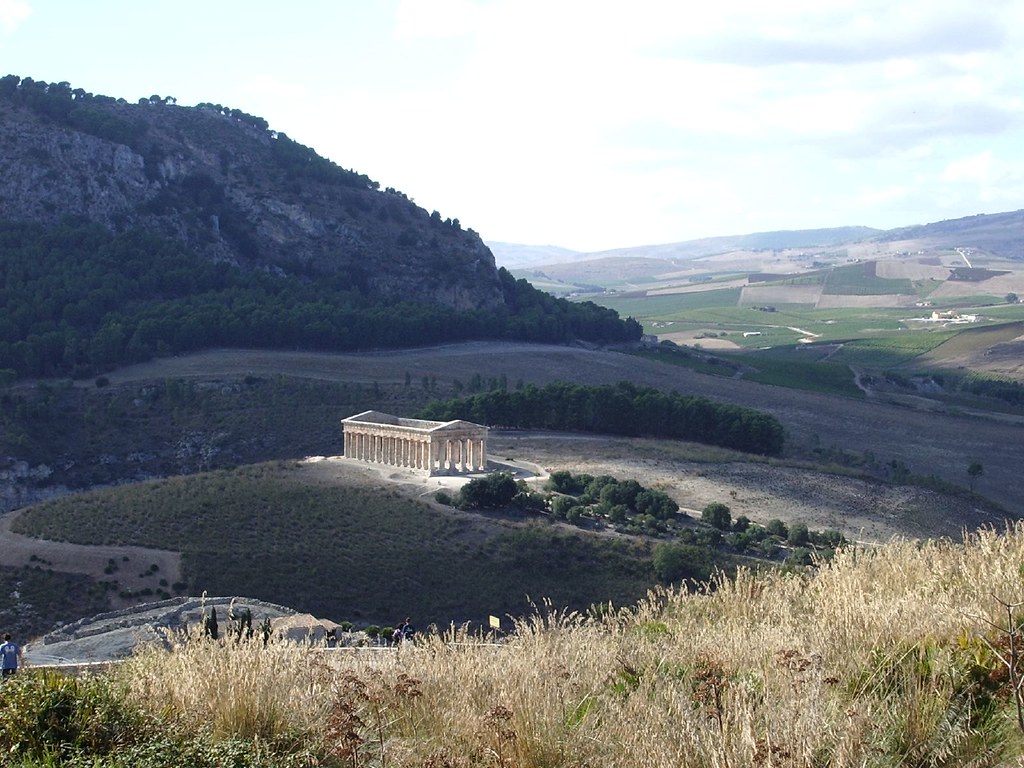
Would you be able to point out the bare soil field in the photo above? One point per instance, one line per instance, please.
(780, 294)
(695, 337)
(834, 300)
(132, 567)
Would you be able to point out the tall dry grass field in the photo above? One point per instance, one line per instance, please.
(888, 657)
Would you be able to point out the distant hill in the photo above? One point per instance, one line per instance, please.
(1001, 234)
(998, 237)
(515, 256)
(511, 255)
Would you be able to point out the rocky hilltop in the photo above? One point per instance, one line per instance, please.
(226, 185)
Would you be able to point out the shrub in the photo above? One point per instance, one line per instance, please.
(718, 515)
(561, 505)
(800, 556)
(798, 536)
(563, 481)
(491, 492)
(675, 562)
(46, 712)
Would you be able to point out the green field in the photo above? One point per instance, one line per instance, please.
(860, 280)
(876, 339)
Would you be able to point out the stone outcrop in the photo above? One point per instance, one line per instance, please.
(113, 635)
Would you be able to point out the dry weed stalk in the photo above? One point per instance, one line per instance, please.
(856, 664)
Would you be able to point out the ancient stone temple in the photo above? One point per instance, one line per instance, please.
(435, 447)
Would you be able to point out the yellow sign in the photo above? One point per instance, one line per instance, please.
(495, 622)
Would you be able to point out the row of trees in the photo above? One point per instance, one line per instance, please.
(79, 301)
(74, 108)
(620, 409)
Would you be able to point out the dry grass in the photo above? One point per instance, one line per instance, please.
(874, 659)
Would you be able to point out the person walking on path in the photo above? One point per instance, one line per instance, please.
(10, 654)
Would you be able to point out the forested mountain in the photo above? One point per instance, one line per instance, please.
(133, 230)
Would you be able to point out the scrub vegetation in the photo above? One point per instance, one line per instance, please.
(899, 655)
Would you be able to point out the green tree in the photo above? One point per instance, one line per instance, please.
(674, 562)
(656, 503)
(490, 492)
(798, 536)
(717, 515)
(560, 505)
(563, 481)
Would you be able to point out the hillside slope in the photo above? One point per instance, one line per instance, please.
(224, 184)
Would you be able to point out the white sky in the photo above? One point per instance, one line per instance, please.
(591, 124)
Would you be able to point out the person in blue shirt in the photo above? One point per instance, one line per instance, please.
(10, 654)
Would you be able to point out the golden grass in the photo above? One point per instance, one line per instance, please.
(875, 658)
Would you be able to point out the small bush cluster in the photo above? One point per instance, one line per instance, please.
(748, 538)
(621, 502)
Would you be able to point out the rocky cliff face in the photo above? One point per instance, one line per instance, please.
(233, 190)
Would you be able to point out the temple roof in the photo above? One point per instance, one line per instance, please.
(378, 418)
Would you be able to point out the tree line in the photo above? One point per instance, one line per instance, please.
(620, 409)
(79, 300)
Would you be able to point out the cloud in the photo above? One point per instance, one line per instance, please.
(12, 14)
(415, 20)
(977, 169)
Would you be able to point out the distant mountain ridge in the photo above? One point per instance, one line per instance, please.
(1001, 234)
